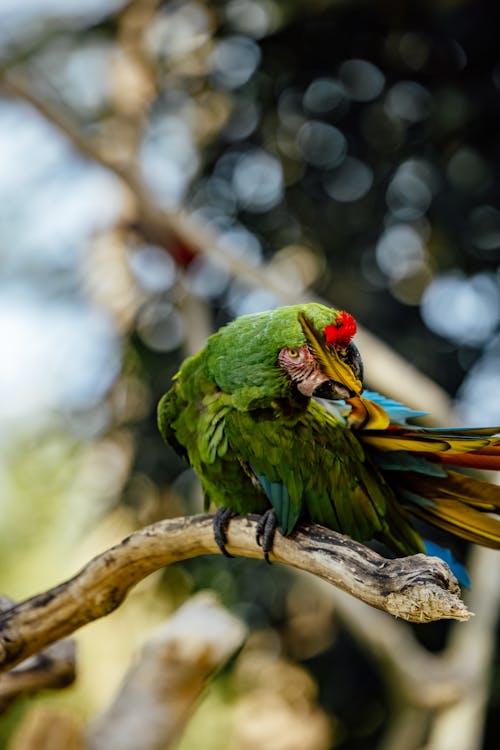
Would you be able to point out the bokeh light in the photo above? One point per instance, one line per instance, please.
(321, 145)
(169, 158)
(256, 18)
(484, 223)
(410, 190)
(478, 399)
(257, 181)
(350, 182)
(325, 95)
(468, 171)
(363, 81)
(409, 101)
(61, 356)
(234, 61)
(160, 326)
(153, 267)
(464, 310)
(178, 29)
(400, 251)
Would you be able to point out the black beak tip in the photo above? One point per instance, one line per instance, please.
(332, 391)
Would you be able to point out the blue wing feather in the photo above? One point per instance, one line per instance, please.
(404, 461)
(398, 413)
(459, 571)
(279, 497)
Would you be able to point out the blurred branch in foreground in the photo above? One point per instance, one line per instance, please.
(157, 694)
(159, 690)
(52, 668)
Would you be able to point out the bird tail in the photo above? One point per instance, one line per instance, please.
(475, 448)
(465, 506)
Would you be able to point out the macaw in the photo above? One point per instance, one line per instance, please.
(273, 417)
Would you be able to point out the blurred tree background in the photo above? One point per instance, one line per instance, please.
(167, 166)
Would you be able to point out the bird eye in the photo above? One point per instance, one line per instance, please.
(293, 353)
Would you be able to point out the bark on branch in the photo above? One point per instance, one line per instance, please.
(418, 588)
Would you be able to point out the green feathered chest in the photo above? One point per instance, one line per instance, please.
(310, 465)
(294, 456)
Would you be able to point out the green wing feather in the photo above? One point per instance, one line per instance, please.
(192, 419)
(311, 462)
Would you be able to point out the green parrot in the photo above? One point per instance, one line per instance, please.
(272, 416)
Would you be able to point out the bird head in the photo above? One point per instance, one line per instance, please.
(304, 350)
(328, 364)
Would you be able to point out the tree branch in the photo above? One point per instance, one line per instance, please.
(417, 588)
(53, 668)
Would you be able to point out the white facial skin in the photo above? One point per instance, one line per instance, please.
(303, 369)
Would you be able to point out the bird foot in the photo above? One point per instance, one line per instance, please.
(266, 529)
(219, 524)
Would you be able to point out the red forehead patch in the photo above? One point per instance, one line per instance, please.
(340, 333)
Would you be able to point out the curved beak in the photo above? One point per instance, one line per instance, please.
(364, 413)
(331, 364)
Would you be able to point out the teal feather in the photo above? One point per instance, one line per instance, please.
(398, 413)
(413, 498)
(405, 461)
(279, 497)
